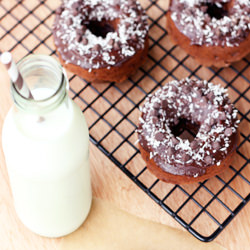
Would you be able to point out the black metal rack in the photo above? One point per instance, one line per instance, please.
(26, 26)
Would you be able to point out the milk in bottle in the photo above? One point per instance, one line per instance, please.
(45, 143)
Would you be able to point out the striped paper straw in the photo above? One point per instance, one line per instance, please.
(14, 74)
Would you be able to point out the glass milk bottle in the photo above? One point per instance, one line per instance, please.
(45, 143)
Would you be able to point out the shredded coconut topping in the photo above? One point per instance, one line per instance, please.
(205, 106)
(212, 22)
(77, 44)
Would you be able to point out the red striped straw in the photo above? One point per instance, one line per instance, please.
(15, 75)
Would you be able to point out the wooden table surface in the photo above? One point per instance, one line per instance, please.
(108, 183)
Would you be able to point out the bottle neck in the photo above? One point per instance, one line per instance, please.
(47, 81)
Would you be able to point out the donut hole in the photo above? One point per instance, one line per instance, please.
(102, 28)
(185, 129)
(217, 11)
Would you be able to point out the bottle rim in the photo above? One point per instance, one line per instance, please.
(44, 104)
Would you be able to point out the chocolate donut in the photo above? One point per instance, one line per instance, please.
(101, 40)
(214, 32)
(205, 110)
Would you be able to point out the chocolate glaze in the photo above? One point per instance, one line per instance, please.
(206, 108)
(212, 22)
(101, 33)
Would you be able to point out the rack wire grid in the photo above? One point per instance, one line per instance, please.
(112, 112)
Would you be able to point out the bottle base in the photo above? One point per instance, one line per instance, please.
(54, 233)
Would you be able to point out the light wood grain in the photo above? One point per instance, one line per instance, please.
(108, 182)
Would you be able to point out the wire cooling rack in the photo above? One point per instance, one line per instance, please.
(204, 209)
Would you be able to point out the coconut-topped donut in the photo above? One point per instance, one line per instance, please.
(215, 32)
(199, 106)
(98, 38)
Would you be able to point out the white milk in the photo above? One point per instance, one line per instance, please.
(48, 166)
